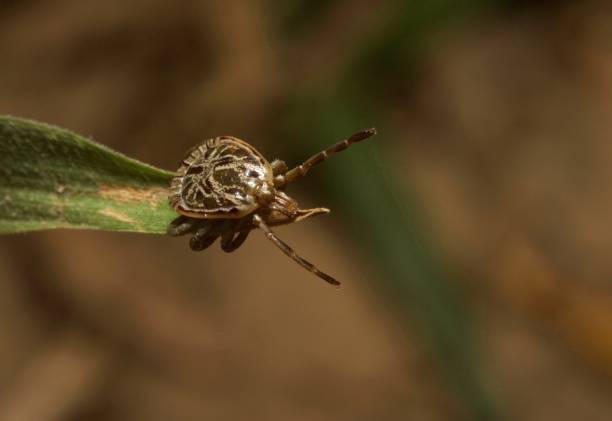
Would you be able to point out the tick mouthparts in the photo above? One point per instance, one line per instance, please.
(307, 213)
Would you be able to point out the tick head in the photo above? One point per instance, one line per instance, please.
(285, 210)
(261, 190)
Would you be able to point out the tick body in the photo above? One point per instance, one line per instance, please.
(225, 188)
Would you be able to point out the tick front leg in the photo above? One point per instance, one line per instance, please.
(279, 167)
(284, 247)
(301, 170)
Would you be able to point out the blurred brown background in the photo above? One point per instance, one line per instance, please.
(496, 119)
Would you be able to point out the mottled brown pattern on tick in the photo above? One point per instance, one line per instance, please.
(225, 188)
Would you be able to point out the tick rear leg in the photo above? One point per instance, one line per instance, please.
(181, 226)
(230, 241)
(204, 236)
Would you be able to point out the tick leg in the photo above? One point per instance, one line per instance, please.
(181, 226)
(270, 235)
(229, 242)
(302, 169)
(203, 237)
(279, 167)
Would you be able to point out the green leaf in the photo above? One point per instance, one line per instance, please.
(52, 178)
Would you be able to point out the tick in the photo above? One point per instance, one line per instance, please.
(225, 188)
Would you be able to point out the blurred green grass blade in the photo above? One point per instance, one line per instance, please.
(298, 15)
(52, 178)
(387, 225)
(383, 219)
